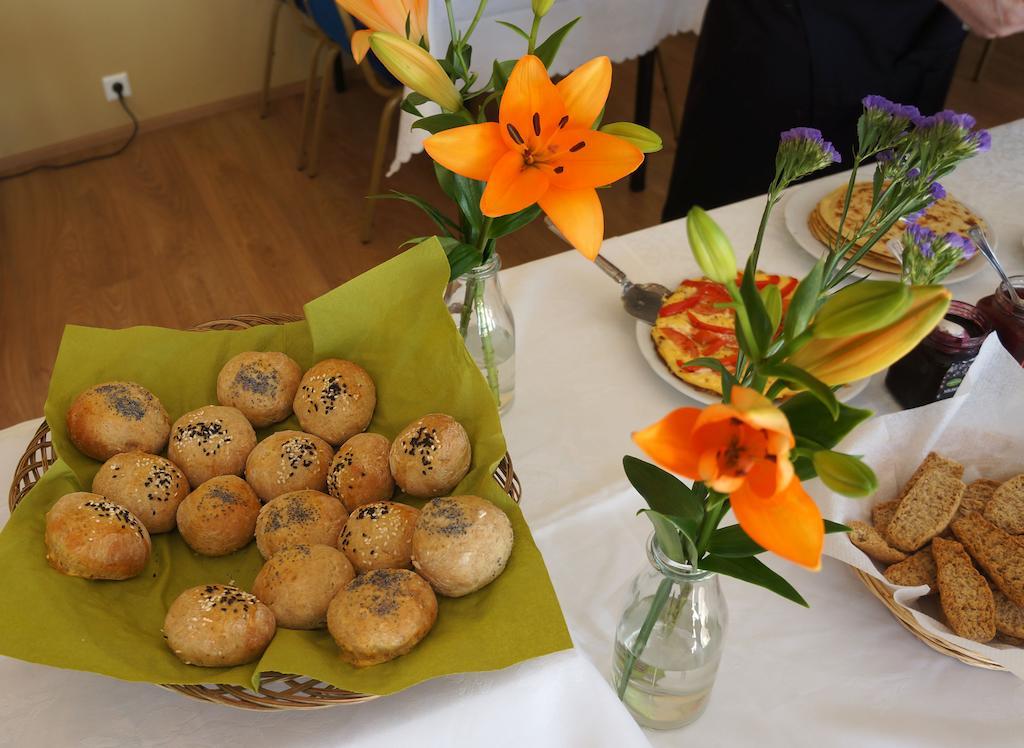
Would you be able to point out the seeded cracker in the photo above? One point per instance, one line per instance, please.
(926, 509)
(965, 595)
(915, 571)
(868, 539)
(1006, 507)
(995, 551)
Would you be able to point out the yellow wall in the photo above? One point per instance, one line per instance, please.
(178, 54)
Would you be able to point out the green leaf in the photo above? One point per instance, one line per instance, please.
(664, 492)
(800, 378)
(751, 570)
(446, 179)
(466, 193)
(549, 48)
(408, 106)
(804, 302)
(516, 29)
(810, 419)
(500, 71)
(443, 222)
(438, 122)
(462, 257)
(760, 323)
(667, 535)
(507, 224)
(732, 541)
(771, 295)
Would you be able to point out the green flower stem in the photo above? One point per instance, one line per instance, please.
(830, 266)
(483, 327)
(467, 306)
(660, 598)
(709, 524)
(476, 20)
(773, 199)
(533, 35)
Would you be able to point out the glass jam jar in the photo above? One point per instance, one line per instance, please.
(935, 368)
(1005, 319)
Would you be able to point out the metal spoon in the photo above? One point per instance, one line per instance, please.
(641, 300)
(979, 238)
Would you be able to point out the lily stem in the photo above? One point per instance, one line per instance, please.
(476, 20)
(533, 35)
(657, 603)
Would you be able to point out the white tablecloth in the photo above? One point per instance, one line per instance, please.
(843, 673)
(620, 29)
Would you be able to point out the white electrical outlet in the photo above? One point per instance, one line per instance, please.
(108, 85)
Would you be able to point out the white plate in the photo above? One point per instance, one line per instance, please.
(800, 201)
(650, 354)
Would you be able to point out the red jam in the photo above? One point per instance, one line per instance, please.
(1005, 319)
(934, 369)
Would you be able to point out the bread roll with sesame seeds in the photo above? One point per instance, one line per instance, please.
(299, 582)
(360, 473)
(88, 536)
(150, 487)
(210, 441)
(219, 517)
(261, 384)
(430, 456)
(299, 518)
(335, 400)
(288, 461)
(461, 544)
(217, 625)
(381, 615)
(116, 417)
(379, 536)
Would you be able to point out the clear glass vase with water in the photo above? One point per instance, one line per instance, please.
(672, 654)
(484, 320)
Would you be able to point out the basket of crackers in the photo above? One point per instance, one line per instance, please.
(273, 512)
(941, 544)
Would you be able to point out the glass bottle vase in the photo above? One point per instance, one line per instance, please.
(484, 320)
(673, 671)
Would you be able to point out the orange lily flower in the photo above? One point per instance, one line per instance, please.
(386, 15)
(543, 150)
(742, 449)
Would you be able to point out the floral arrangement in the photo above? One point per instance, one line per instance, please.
(507, 149)
(752, 455)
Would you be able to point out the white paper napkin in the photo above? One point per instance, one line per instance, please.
(982, 426)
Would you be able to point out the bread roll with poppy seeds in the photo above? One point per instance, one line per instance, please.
(115, 417)
(359, 473)
(299, 582)
(288, 461)
(261, 384)
(217, 625)
(211, 441)
(299, 518)
(430, 456)
(150, 487)
(335, 400)
(88, 536)
(219, 517)
(379, 536)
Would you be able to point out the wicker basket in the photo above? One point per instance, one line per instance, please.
(277, 690)
(904, 616)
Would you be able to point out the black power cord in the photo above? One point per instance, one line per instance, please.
(119, 90)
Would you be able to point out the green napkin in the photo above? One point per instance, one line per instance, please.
(393, 322)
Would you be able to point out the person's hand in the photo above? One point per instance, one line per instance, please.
(990, 18)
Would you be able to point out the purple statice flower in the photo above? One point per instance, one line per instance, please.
(879, 104)
(960, 242)
(913, 173)
(963, 121)
(885, 156)
(906, 111)
(812, 137)
(981, 139)
(937, 191)
(921, 238)
(802, 151)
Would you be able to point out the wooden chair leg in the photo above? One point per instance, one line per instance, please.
(307, 102)
(321, 105)
(387, 116)
(269, 66)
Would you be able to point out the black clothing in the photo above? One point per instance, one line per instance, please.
(764, 66)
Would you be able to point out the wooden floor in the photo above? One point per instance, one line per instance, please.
(210, 218)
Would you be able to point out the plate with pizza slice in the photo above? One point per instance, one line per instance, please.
(693, 324)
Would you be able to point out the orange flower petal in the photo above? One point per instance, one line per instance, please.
(360, 44)
(512, 186)
(668, 443)
(763, 479)
(531, 109)
(585, 91)
(472, 151)
(788, 524)
(755, 410)
(367, 12)
(578, 215)
(588, 158)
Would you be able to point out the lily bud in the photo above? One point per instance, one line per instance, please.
(645, 139)
(710, 247)
(840, 360)
(861, 307)
(416, 68)
(541, 7)
(845, 474)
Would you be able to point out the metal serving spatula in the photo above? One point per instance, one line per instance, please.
(641, 300)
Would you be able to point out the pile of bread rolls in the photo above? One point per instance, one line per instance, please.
(339, 552)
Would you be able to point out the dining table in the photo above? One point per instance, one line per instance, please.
(842, 672)
(620, 30)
